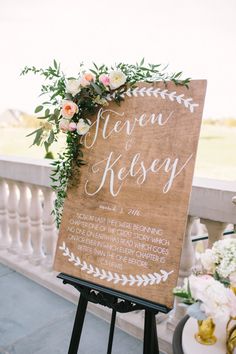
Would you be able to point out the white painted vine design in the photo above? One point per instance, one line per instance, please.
(115, 278)
(151, 91)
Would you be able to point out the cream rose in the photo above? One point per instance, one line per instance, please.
(73, 86)
(82, 127)
(68, 110)
(117, 79)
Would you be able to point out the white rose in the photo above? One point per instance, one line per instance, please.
(216, 311)
(82, 127)
(199, 284)
(216, 301)
(117, 79)
(73, 86)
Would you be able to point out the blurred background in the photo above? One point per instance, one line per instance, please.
(194, 36)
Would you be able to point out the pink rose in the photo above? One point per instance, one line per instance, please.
(104, 79)
(86, 79)
(69, 108)
(72, 126)
(64, 125)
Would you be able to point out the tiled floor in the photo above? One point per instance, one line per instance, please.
(33, 320)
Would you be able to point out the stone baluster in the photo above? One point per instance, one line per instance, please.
(4, 231)
(24, 226)
(234, 202)
(186, 264)
(36, 226)
(50, 230)
(215, 230)
(198, 230)
(13, 200)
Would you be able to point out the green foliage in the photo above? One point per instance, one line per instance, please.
(184, 293)
(63, 171)
(38, 109)
(224, 281)
(89, 99)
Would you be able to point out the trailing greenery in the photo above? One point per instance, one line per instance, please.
(70, 101)
(62, 172)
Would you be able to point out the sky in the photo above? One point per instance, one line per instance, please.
(197, 37)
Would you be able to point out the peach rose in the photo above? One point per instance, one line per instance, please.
(86, 79)
(69, 108)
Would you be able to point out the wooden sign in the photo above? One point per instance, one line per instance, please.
(124, 221)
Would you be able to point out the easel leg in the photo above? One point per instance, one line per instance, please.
(78, 325)
(150, 342)
(111, 334)
(155, 339)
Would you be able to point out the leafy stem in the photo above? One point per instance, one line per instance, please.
(63, 171)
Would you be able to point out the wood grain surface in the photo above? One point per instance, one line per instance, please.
(124, 219)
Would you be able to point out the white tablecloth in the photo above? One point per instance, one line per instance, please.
(191, 346)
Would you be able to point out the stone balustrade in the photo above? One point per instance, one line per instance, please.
(28, 234)
(27, 227)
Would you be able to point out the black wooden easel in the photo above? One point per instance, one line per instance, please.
(118, 302)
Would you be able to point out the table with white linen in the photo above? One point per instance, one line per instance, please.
(191, 346)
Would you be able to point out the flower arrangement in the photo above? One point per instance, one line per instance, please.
(220, 261)
(207, 297)
(211, 291)
(70, 103)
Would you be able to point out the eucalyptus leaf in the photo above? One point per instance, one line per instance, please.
(46, 145)
(51, 137)
(142, 62)
(94, 72)
(96, 88)
(34, 132)
(57, 93)
(38, 109)
(38, 137)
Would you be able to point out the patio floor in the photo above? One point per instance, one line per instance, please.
(33, 320)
